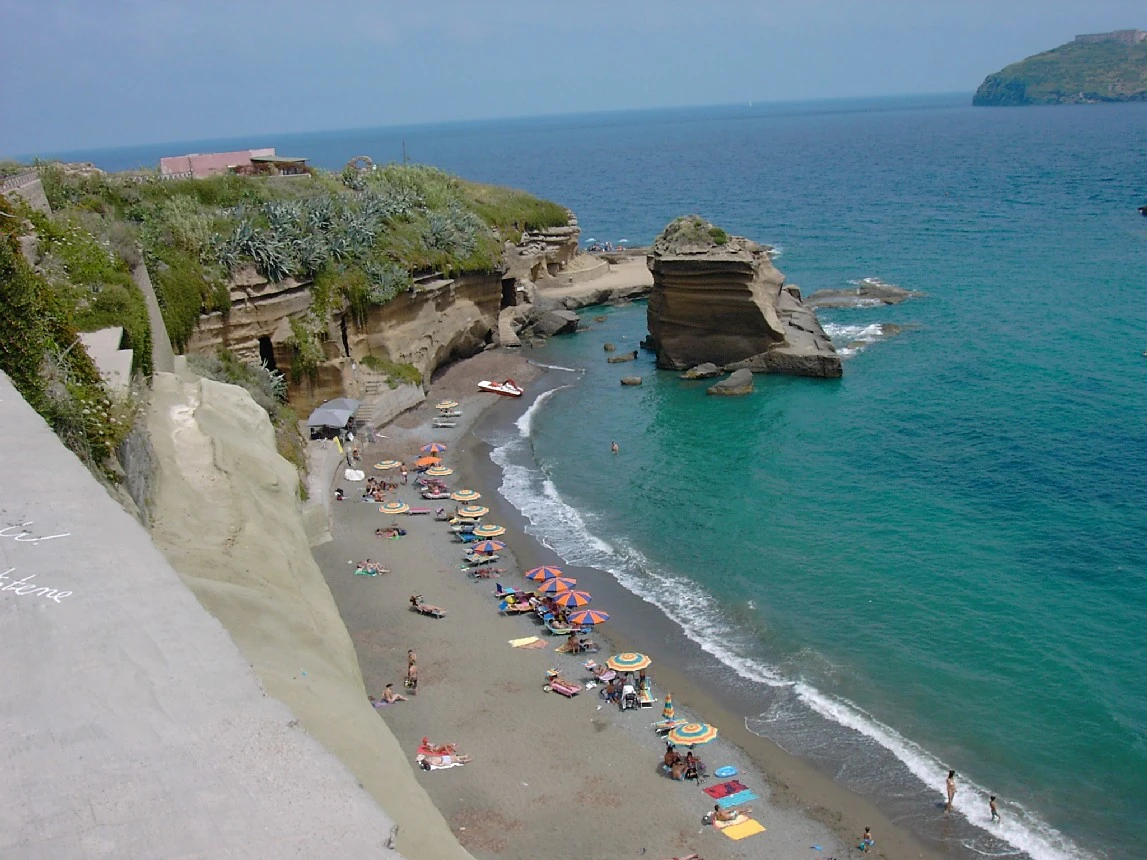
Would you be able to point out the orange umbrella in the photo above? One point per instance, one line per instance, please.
(427, 461)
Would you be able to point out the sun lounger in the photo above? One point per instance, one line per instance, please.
(504, 591)
(476, 559)
(419, 512)
(442, 425)
(514, 608)
(664, 727)
(426, 608)
(645, 699)
(558, 630)
(449, 414)
(561, 685)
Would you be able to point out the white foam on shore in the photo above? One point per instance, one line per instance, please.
(556, 367)
(564, 530)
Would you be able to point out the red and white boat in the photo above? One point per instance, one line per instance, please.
(509, 388)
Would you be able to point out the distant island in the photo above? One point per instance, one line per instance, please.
(1095, 68)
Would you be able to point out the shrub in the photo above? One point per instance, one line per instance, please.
(395, 372)
(306, 346)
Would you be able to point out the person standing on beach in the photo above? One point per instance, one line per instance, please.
(992, 806)
(404, 475)
(951, 785)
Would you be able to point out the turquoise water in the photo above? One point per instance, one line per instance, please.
(939, 560)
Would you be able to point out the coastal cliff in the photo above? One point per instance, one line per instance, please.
(718, 298)
(226, 516)
(1104, 67)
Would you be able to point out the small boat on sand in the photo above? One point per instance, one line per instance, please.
(509, 388)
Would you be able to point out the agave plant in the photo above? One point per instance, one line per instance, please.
(283, 216)
(310, 252)
(320, 214)
(387, 280)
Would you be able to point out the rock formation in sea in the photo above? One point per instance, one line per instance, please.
(718, 298)
(868, 292)
(739, 382)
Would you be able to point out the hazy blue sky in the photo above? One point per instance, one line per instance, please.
(79, 74)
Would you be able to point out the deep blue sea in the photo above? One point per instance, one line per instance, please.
(939, 560)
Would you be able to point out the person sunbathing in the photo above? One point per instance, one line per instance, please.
(671, 756)
(446, 760)
(390, 697)
(720, 814)
(677, 771)
(437, 749)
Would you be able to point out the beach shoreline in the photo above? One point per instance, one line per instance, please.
(799, 806)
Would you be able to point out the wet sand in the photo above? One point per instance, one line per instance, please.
(552, 777)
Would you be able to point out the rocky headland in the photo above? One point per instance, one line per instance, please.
(718, 298)
(1094, 68)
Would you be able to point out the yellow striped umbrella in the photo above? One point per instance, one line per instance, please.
(465, 496)
(387, 464)
(393, 508)
(488, 530)
(438, 471)
(693, 733)
(629, 661)
(473, 512)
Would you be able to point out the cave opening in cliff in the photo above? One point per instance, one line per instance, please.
(509, 292)
(346, 340)
(267, 352)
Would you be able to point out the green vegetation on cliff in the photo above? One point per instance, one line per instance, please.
(358, 236)
(1075, 73)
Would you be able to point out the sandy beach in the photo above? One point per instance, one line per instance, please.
(550, 777)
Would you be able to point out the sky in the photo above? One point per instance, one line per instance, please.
(85, 74)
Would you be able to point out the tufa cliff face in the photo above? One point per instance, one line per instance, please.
(718, 298)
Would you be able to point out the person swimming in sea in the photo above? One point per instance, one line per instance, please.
(613, 447)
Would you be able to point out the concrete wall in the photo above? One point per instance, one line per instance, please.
(1126, 37)
(27, 187)
(133, 727)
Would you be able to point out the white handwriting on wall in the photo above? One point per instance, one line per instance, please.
(26, 588)
(15, 533)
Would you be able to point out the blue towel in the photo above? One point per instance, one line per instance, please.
(737, 799)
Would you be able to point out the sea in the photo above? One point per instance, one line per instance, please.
(938, 561)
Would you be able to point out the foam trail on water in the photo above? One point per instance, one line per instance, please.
(563, 529)
(555, 367)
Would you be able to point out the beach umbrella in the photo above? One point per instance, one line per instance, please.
(557, 585)
(693, 733)
(573, 599)
(446, 404)
(465, 496)
(667, 708)
(427, 461)
(387, 464)
(473, 512)
(488, 547)
(489, 530)
(541, 574)
(630, 661)
(439, 471)
(394, 508)
(433, 448)
(586, 617)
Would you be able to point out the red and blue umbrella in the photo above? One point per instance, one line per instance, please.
(586, 617)
(541, 574)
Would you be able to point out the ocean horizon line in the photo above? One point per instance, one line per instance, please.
(252, 138)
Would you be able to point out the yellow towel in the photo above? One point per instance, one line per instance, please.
(748, 827)
(521, 643)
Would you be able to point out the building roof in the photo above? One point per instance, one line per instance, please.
(200, 165)
(278, 159)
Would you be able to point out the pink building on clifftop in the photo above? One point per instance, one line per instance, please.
(198, 166)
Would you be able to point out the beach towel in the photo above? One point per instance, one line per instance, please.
(354, 475)
(737, 799)
(525, 642)
(724, 789)
(747, 827)
(363, 572)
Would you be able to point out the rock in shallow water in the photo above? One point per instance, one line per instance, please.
(739, 382)
(556, 322)
(707, 370)
(631, 380)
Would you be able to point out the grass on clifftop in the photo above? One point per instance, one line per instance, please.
(690, 232)
(358, 235)
(1072, 73)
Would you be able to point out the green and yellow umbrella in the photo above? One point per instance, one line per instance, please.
(473, 512)
(693, 733)
(667, 708)
(488, 530)
(387, 464)
(438, 472)
(629, 661)
(393, 508)
(465, 495)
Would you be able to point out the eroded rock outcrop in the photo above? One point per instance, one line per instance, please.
(739, 382)
(718, 298)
